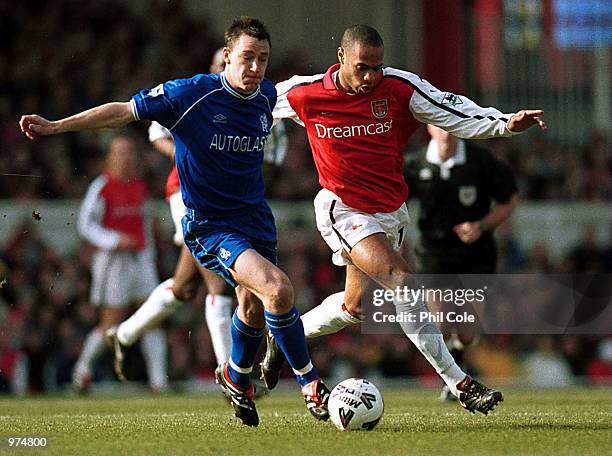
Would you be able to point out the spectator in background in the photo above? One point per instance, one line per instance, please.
(599, 370)
(538, 259)
(545, 367)
(587, 257)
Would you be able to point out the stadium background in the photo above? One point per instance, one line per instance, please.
(64, 56)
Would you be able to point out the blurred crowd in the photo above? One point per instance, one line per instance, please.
(71, 55)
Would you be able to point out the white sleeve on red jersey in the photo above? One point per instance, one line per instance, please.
(283, 109)
(157, 131)
(456, 114)
(90, 218)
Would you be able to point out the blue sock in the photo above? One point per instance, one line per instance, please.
(245, 344)
(288, 331)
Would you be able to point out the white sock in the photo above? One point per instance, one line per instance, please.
(93, 346)
(328, 317)
(218, 319)
(160, 304)
(155, 353)
(427, 338)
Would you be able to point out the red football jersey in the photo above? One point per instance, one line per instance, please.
(173, 184)
(124, 207)
(358, 140)
(111, 207)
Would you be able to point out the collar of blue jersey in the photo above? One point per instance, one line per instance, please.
(433, 157)
(226, 85)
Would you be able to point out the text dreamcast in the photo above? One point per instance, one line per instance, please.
(349, 131)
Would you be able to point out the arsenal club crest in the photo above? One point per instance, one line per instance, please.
(380, 108)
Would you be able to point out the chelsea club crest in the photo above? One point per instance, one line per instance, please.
(264, 123)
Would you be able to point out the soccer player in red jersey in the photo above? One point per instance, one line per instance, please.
(123, 268)
(359, 117)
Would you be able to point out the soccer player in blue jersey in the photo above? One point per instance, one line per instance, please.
(220, 124)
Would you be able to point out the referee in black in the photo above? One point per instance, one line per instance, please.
(464, 194)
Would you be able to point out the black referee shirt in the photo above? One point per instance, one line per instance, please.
(461, 193)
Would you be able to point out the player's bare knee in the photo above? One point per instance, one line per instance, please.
(280, 295)
(184, 291)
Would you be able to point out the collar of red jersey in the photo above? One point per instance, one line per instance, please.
(328, 79)
(433, 157)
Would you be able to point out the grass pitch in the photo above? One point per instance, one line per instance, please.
(542, 422)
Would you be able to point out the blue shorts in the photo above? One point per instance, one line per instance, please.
(216, 242)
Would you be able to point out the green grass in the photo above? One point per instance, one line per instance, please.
(552, 422)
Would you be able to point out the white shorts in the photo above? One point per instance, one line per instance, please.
(177, 209)
(342, 227)
(119, 278)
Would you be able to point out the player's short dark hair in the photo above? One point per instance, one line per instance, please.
(362, 34)
(248, 26)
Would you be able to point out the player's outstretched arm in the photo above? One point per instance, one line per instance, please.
(525, 119)
(109, 115)
(461, 116)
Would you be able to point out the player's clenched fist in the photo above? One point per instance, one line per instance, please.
(33, 125)
(468, 232)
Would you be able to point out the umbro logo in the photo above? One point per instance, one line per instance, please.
(156, 91)
(224, 254)
(219, 118)
(325, 113)
(354, 227)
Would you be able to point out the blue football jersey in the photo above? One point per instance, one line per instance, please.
(219, 136)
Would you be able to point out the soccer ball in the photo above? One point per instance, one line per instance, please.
(355, 404)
